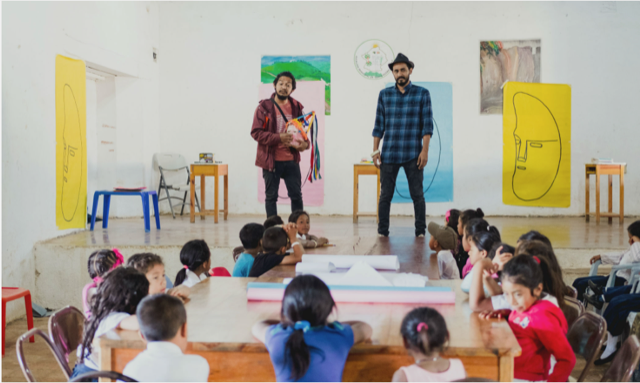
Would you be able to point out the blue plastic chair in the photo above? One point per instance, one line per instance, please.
(107, 203)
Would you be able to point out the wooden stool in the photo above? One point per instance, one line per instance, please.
(10, 294)
(212, 170)
(363, 169)
(610, 170)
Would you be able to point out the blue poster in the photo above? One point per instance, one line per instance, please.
(438, 174)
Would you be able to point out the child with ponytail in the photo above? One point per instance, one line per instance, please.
(304, 345)
(480, 244)
(99, 263)
(462, 255)
(195, 257)
(424, 334)
(112, 307)
(539, 325)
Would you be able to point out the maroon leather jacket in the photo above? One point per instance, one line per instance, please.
(265, 131)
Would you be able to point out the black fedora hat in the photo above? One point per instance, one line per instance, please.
(400, 58)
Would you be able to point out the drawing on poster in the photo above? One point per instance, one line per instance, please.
(303, 68)
(501, 61)
(438, 174)
(71, 158)
(537, 131)
(371, 59)
(311, 96)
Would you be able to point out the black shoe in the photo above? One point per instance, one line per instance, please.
(600, 362)
(593, 300)
(597, 290)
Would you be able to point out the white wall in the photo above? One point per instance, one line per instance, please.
(210, 65)
(116, 37)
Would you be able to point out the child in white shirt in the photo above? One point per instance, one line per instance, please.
(444, 241)
(196, 258)
(303, 223)
(163, 326)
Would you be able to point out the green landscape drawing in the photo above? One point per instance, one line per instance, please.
(304, 68)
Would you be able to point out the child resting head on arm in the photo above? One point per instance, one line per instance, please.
(304, 327)
(424, 334)
(303, 223)
(112, 307)
(275, 242)
(163, 327)
(196, 258)
(538, 324)
(99, 263)
(152, 266)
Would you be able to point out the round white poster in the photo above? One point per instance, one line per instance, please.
(372, 59)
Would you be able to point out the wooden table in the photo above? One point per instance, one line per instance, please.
(610, 170)
(220, 320)
(358, 170)
(211, 170)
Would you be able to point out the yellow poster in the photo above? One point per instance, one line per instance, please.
(536, 161)
(71, 148)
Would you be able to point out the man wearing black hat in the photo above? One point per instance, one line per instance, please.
(404, 120)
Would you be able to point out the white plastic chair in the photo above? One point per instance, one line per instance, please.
(172, 162)
(634, 281)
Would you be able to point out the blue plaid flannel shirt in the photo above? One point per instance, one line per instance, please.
(402, 119)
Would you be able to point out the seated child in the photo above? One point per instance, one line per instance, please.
(451, 219)
(479, 246)
(272, 221)
(616, 315)
(163, 327)
(534, 235)
(462, 255)
(196, 258)
(98, 264)
(113, 307)
(443, 241)
(539, 326)
(424, 334)
(251, 238)
(301, 219)
(152, 267)
(475, 225)
(274, 245)
(304, 345)
(628, 257)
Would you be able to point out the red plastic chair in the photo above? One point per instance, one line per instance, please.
(219, 272)
(11, 294)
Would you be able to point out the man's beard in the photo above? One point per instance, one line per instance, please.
(280, 97)
(402, 81)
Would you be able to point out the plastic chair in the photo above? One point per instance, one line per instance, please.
(172, 162)
(624, 363)
(87, 377)
(65, 331)
(586, 337)
(219, 272)
(22, 361)
(571, 291)
(11, 294)
(573, 309)
(614, 269)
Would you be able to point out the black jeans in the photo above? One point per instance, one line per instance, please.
(289, 171)
(582, 283)
(388, 175)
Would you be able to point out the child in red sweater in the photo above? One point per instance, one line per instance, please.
(538, 324)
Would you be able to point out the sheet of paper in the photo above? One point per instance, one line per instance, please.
(311, 267)
(379, 262)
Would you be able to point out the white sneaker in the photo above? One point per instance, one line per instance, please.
(421, 236)
(382, 235)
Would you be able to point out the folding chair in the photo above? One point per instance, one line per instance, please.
(586, 337)
(623, 364)
(171, 162)
(573, 308)
(65, 331)
(22, 360)
(635, 274)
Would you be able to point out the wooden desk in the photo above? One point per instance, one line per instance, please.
(220, 320)
(610, 170)
(363, 169)
(413, 253)
(212, 170)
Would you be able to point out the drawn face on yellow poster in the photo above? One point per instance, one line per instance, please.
(71, 153)
(536, 161)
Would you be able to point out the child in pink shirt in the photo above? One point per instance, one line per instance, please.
(538, 324)
(424, 333)
(99, 263)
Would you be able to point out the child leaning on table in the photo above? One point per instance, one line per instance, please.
(304, 345)
(275, 242)
(539, 325)
(424, 334)
(195, 257)
(152, 266)
(251, 238)
(163, 327)
(99, 263)
(302, 221)
(112, 307)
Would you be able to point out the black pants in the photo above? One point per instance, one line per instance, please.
(618, 310)
(289, 171)
(582, 283)
(388, 175)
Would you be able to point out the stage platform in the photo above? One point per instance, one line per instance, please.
(61, 263)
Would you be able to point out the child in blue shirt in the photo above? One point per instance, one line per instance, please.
(304, 346)
(251, 238)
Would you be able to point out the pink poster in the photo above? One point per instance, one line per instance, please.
(311, 96)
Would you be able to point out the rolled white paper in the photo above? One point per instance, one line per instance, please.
(315, 267)
(379, 262)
